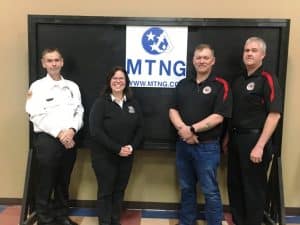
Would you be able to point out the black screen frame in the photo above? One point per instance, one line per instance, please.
(282, 25)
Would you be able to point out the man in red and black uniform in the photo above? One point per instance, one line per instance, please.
(201, 103)
(257, 106)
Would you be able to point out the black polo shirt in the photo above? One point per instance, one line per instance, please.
(254, 97)
(195, 102)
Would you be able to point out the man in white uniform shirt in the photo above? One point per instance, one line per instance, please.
(55, 109)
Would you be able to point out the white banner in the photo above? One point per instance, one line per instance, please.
(156, 56)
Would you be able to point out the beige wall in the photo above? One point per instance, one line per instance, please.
(153, 177)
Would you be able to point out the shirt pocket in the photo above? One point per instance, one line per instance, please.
(50, 102)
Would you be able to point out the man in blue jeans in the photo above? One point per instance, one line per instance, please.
(200, 104)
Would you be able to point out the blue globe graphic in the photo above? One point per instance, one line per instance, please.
(154, 41)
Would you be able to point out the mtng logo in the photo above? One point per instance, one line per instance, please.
(156, 56)
(155, 41)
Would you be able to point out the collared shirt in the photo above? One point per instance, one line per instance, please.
(54, 105)
(120, 103)
(195, 102)
(254, 97)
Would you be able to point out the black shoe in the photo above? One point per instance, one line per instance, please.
(65, 221)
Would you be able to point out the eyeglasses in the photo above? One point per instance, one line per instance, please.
(118, 78)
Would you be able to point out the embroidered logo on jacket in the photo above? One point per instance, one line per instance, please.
(206, 90)
(250, 86)
(131, 109)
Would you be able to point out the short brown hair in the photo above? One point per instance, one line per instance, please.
(200, 47)
(50, 50)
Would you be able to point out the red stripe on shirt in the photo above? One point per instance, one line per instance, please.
(225, 85)
(270, 83)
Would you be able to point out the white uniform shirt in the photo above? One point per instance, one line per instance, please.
(54, 105)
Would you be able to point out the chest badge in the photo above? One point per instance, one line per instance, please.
(131, 109)
(250, 86)
(67, 89)
(206, 90)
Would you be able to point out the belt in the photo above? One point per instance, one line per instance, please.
(246, 130)
(208, 141)
(205, 141)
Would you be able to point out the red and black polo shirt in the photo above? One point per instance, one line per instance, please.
(195, 102)
(254, 97)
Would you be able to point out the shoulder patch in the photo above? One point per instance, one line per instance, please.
(270, 81)
(225, 86)
(29, 94)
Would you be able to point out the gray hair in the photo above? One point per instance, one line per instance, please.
(262, 43)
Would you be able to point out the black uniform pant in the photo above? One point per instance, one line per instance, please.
(247, 181)
(54, 167)
(112, 173)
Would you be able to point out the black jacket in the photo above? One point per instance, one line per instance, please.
(112, 127)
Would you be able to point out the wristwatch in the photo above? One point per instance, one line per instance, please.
(192, 129)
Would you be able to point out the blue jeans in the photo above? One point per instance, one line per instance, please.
(194, 163)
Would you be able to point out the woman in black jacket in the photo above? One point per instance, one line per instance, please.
(116, 132)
